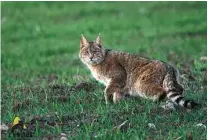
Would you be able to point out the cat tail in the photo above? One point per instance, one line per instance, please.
(177, 98)
(174, 90)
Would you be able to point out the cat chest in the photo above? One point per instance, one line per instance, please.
(101, 78)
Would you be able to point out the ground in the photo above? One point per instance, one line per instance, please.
(44, 82)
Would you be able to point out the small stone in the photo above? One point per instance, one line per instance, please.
(151, 125)
(168, 106)
(203, 58)
(4, 127)
(63, 138)
(63, 134)
(201, 125)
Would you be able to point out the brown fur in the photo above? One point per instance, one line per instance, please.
(124, 73)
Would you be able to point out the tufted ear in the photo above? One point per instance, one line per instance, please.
(98, 40)
(83, 41)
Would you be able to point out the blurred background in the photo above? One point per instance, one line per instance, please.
(41, 74)
(42, 38)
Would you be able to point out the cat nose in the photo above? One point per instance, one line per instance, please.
(91, 57)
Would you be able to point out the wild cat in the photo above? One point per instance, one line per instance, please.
(128, 74)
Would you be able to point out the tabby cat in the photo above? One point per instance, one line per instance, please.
(129, 74)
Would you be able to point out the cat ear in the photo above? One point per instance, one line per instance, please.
(98, 40)
(83, 41)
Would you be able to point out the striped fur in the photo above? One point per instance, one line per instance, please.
(179, 99)
(174, 90)
(128, 74)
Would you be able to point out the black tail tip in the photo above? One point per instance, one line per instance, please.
(189, 104)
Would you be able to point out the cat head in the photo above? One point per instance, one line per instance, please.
(91, 52)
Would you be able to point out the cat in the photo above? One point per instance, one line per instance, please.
(128, 74)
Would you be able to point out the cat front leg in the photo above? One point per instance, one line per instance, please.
(114, 89)
(108, 93)
(107, 97)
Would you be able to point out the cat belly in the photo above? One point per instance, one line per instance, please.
(138, 93)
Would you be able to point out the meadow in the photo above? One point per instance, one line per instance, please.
(47, 86)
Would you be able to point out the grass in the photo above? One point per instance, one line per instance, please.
(41, 72)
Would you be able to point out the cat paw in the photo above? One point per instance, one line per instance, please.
(116, 97)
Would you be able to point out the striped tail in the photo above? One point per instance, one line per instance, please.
(177, 98)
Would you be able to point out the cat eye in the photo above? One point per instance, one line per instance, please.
(86, 52)
(96, 53)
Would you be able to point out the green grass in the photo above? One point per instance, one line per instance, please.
(40, 66)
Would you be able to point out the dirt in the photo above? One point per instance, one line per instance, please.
(55, 92)
(83, 86)
(189, 136)
(47, 78)
(62, 93)
(73, 121)
(20, 105)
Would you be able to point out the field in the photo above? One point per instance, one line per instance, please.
(44, 82)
